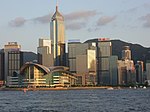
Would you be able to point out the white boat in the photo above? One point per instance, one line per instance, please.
(110, 88)
(144, 87)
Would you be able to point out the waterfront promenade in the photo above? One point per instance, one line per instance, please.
(57, 88)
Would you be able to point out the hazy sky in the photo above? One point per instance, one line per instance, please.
(25, 21)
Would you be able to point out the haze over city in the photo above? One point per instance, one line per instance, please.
(27, 21)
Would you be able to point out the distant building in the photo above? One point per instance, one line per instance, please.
(126, 53)
(104, 51)
(13, 59)
(45, 56)
(57, 31)
(126, 72)
(36, 75)
(126, 69)
(82, 61)
(104, 63)
(1, 65)
(139, 67)
(148, 71)
(113, 66)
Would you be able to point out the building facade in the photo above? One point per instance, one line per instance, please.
(104, 51)
(57, 33)
(126, 69)
(36, 75)
(139, 68)
(113, 66)
(148, 71)
(126, 53)
(45, 56)
(104, 65)
(82, 62)
(2, 65)
(126, 72)
(13, 59)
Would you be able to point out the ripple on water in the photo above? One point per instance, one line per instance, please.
(100, 100)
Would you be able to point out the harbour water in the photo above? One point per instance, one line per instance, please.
(97, 100)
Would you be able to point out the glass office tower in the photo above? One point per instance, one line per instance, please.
(104, 51)
(57, 31)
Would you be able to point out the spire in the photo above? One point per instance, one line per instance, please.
(57, 14)
(56, 5)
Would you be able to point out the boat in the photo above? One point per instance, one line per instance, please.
(110, 88)
(25, 90)
(144, 87)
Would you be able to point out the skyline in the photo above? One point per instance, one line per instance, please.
(30, 20)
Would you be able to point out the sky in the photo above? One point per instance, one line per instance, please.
(25, 21)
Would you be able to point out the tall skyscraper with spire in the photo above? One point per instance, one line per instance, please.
(57, 31)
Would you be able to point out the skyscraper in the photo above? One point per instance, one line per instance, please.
(126, 53)
(126, 69)
(82, 62)
(45, 56)
(139, 67)
(57, 31)
(113, 68)
(148, 71)
(104, 51)
(1, 65)
(13, 59)
(106, 72)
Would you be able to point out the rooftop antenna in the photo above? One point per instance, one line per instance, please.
(56, 5)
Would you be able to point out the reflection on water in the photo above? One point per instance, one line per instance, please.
(98, 100)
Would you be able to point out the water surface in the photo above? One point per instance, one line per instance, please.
(98, 100)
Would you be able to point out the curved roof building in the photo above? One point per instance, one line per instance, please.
(33, 74)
